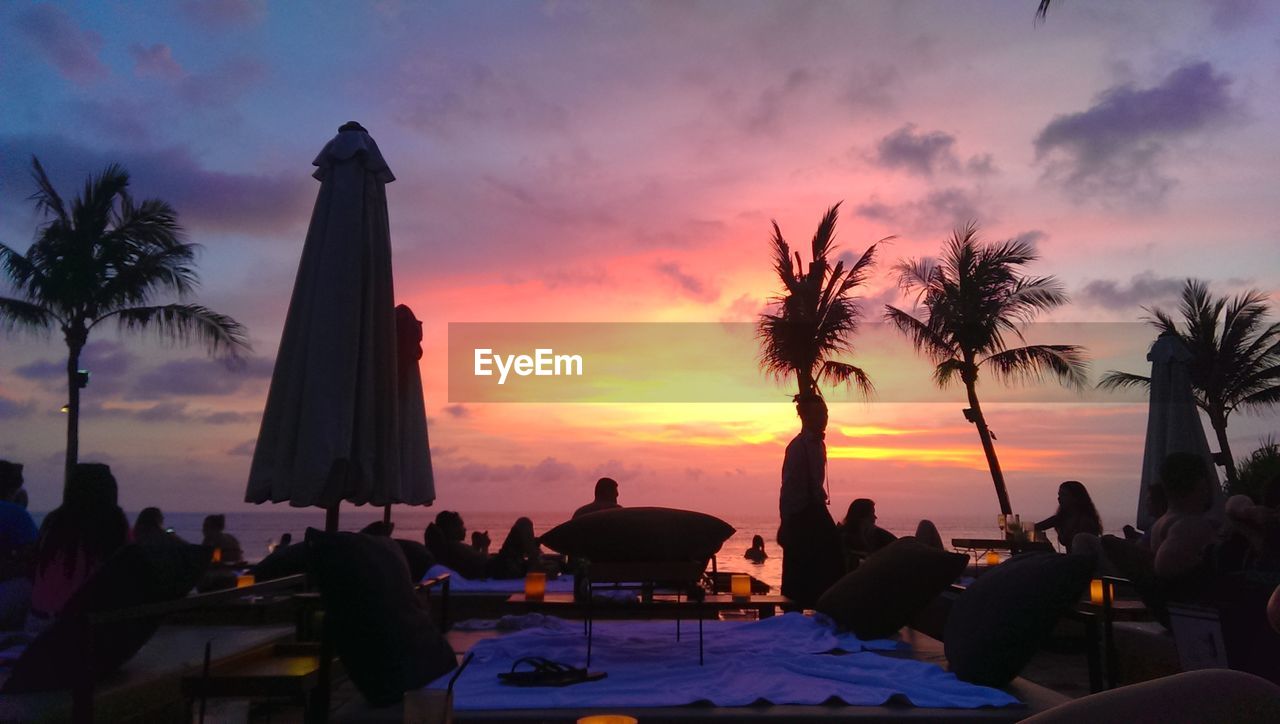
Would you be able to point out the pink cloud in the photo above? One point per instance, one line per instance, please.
(72, 50)
(155, 60)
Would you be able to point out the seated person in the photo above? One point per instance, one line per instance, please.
(756, 553)
(149, 528)
(606, 498)
(1252, 542)
(446, 540)
(215, 536)
(18, 536)
(75, 539)
(1076, 514)
(1180, 536)
(860, 536)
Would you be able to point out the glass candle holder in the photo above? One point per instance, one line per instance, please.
(244, 580)
(217, 555)
(993, 558)
(1095, 590)
(535, 586)
(740, 585)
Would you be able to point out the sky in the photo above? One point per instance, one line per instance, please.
(582, 162)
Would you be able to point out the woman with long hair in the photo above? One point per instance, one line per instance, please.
(1076, 514)
(75, 539)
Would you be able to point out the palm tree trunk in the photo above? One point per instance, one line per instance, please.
(75, 343)
(984, 435)
(1219, 424)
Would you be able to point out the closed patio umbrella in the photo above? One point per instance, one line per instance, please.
(332, 426)
(1173, 420)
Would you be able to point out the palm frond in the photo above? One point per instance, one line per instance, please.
(20, 313)
(1067, 362)
(842, 373)
(1116, 380)
(46, 196)
(946, 372)
(221, 334)
(923, 338)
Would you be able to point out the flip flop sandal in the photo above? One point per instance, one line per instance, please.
(545, 672)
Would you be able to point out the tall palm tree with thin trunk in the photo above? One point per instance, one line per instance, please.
(1235, 357)
(816, 315)
(974, 297)
(103, 257)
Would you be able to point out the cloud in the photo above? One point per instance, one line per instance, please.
(926, 153)
(12, 409)
(692, 286)
(221, 85)
(272, 203)
(459, 412)
(746, 308)
(443, 97)
(940, 210)
(871, 86)
(919, 153)
(774, 102)
(72, 50)
(244, 449)
(1145, 289)
(1118, 147)
(198, 376)
(1228, 15)
(107, 361)
(223, 14)
(155, 60)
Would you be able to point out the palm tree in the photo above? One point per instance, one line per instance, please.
(1235, 357)
(816, 315)
(973, 298)
(104, 257)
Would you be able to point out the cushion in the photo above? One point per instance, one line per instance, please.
(138, 574)
(417, 557)
(640, 535)
(1000, 621)
(890, 587)
(283, 562)
(382, 633)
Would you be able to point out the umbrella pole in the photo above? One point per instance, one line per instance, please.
(386, 514)
(331, 518)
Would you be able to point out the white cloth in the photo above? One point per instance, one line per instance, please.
(780, 660)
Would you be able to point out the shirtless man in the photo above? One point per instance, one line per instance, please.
(1179, 537)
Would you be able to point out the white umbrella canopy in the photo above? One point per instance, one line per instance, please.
(1173, 420)
(331, 430)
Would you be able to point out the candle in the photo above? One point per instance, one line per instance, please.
(1095, 590)
(217, 555)
(535, 586)
(607, 719)
(741, 585)
(993, 558)
(244, 580)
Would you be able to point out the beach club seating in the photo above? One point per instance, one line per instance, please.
(643, 549)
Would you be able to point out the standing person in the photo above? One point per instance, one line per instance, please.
(811, 559)
(1076, 514)
(606, 498)
(75, 539)
(18, 536)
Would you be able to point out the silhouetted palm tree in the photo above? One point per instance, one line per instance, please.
(817, 313)
(973, 298)
(1235, 356)
(104, 257)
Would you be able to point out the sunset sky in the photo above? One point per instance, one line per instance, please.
(620, 162)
